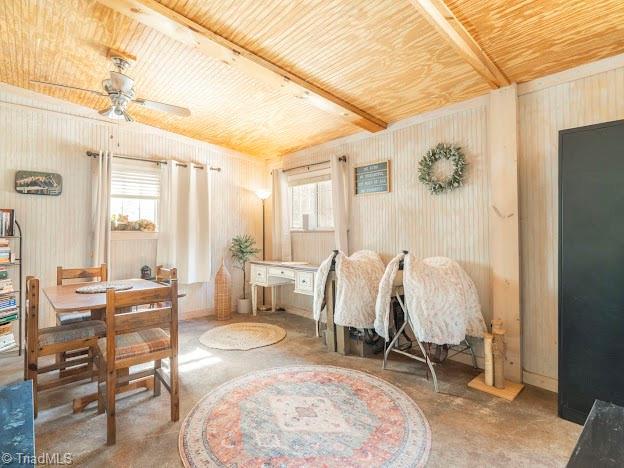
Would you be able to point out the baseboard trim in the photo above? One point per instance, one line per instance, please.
(193, 314)
(467, 359)
(300, 312)
(541, 381)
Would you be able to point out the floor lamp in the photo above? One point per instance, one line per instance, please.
(263, 195)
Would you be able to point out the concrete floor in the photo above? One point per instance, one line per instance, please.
(469, 428)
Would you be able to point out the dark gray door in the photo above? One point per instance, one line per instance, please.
(591, 268)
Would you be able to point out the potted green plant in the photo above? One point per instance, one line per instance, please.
(243, 248)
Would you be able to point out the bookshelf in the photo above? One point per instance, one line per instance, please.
(13, 269)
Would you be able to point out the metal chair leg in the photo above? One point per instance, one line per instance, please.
(472, 353)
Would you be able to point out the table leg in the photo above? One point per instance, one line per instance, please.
(273, 299)
(254, 299)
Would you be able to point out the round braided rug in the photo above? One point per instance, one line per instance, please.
(102, 287)
(305, 416)
(242, 336)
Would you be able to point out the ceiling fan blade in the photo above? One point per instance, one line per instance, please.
(161, 106)
(121, 82)
(69, 87)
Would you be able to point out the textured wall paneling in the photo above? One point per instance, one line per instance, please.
(585, 101)
(454, 225)
(38, 134)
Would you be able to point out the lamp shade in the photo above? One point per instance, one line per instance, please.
(263, 194)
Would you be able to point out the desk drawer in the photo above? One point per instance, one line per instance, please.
(282, 273)
(304, 282)
(258, 274)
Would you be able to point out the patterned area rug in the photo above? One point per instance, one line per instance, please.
(242, 336)
(305, 416)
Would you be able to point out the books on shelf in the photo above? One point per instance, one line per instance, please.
(4, 273)
(7, 221)
(5, 255)
(8, 318)
(8, 302)
(6, 287)
(8, 309)
(7, 340)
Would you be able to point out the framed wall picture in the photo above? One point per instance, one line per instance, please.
(372, 178)
(38, 183)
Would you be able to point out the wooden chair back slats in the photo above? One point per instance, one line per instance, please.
(95, 273)
(141, 319)
(130, 298)
(161, 317)
(165, 274)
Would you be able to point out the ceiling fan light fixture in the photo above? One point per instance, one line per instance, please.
(115, 113)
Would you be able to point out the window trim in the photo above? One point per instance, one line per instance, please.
(133, 235)
(133, 166)
(317, 228)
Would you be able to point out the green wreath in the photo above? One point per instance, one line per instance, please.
(442, 151)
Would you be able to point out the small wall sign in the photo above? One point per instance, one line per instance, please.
(372, 178)
(38, 183)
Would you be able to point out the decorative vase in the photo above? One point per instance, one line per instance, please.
(223, 293)
(244, 306)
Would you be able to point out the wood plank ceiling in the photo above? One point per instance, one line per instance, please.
(381, 56)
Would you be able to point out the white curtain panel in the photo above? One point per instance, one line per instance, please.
(340, 202)
(184, 222)
(281, 246)
(100, 207)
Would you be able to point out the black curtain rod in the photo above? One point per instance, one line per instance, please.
(95, 154)
(342, 158)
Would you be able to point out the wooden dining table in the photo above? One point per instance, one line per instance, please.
(64, 298)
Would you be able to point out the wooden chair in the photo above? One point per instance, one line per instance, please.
(54, 340)
(91, 273)
(134, 338)
(165, 275)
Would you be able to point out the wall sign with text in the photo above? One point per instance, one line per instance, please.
(373, 178)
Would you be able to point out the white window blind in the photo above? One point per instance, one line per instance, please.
(135, 194)
(135, 179)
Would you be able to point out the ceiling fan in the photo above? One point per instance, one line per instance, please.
(120, 90)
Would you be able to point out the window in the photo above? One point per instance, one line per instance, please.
(311, 200)
(135, 193)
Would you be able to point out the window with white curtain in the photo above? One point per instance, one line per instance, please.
(310, 194)
(135, 194)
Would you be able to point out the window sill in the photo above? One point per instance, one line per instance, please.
(133, 235)
(309, 231)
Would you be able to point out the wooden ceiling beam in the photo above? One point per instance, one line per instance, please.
(178, 27)
(438, 14)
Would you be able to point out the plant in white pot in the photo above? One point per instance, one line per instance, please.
(243, 248)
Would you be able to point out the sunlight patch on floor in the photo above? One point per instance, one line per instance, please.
(196, 359)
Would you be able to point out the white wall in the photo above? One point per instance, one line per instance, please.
(410, 218)
(456, 224)
(43, 134)
(543, 112)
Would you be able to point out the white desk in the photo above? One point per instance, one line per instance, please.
(270, 274)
